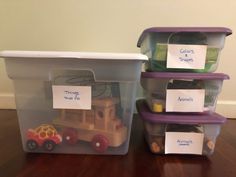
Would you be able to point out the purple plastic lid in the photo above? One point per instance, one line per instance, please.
(227, 31)
(171, 75)
(147, 115)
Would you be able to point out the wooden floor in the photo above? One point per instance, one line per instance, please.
(138, 162)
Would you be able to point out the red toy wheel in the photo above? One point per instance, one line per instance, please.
(100, 143)
(70, 136)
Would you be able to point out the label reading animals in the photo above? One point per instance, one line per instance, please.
(71, 97)
(185, 100)
(186, 56)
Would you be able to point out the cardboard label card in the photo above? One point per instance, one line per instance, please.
(183, 143)
(71, 97)
(186, 56)
(184, 100)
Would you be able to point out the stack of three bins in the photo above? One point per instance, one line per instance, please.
(181, 89)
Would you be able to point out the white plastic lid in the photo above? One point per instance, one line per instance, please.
(79, 55)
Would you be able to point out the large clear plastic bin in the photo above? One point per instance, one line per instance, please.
(101, 85)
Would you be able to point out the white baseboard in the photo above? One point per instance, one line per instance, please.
(7, 101)
(226, 108)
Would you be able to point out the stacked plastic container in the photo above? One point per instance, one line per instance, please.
(181, 89)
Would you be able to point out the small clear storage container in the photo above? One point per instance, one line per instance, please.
(188, 49)
(180, 134)
(182, 92)
(74, 102)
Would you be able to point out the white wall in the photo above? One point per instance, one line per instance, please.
(108, 26)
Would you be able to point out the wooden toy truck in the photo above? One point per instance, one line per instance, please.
(100, 125)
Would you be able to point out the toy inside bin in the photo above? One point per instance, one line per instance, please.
(180, 134)
(182, 92)
(74, 102)
(195, 49)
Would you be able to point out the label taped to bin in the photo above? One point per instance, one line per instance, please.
(186, 56)
(71, 97)
(183, 143)
(185, 100)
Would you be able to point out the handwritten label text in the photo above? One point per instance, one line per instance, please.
(71, 97)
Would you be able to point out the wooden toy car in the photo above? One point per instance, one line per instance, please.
(100, 125)
(44, 135)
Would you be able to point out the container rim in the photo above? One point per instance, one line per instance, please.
(76, 55)
(225, 30)
(182, 75)
(147, 115)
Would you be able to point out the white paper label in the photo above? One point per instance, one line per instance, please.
(183, 143)
(184, 100)
(71, 97)
(186, 56)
